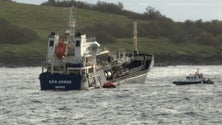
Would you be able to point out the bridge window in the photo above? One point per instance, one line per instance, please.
(51, 43)
(78, 43)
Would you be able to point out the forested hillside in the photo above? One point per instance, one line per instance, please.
(24, 30)
(153, 24)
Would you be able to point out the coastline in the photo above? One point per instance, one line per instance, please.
(160, 60)
(167, 60)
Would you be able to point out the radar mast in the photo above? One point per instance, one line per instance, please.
(72, 22)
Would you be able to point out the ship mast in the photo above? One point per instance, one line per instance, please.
(135, 37)
(72, 22)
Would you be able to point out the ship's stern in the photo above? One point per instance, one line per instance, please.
(57, 81)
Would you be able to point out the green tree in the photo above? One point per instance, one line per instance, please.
(152, 13)
(207, 39)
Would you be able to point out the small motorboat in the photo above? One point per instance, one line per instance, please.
(196, 78)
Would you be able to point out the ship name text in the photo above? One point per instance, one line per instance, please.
(60, 82)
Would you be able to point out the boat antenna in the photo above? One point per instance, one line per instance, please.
(135, 37)
(72, 22)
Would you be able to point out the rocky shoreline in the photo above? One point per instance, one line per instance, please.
(160, 60)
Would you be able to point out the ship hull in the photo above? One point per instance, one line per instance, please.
(193, 82)
(56, 81)
(65, 82)
(50, 81)
(136, 78)
(186, 82)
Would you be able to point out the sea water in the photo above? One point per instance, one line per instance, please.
(155, 102)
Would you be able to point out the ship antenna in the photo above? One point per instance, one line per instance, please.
(72, 22)
(135, 37)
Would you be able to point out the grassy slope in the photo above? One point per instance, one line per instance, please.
(43, 20)
(163, 46)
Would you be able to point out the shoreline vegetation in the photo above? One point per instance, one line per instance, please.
(24, 32)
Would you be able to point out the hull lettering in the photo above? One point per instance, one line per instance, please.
(60, 82)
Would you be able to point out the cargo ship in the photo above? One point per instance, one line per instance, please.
(75, 62)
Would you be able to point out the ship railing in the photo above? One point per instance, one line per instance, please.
(142, 58)
(91, 39)
(94, 80)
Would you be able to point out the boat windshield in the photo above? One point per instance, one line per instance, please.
(192, 77)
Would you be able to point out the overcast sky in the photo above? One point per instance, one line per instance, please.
(178, 10)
